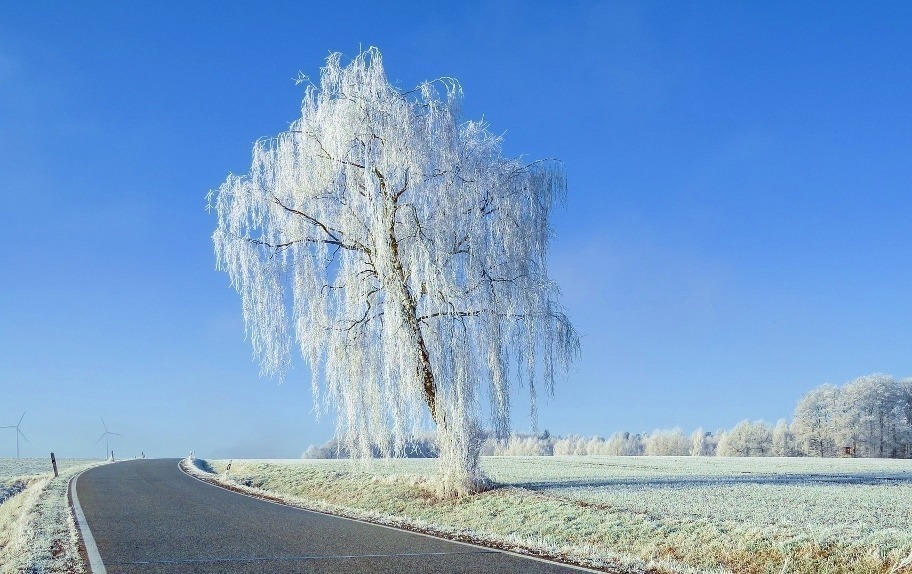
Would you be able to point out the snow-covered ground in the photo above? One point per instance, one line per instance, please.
(669, 513)
(37, 533)
(25, 470)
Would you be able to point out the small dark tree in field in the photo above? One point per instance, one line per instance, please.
(415, 258)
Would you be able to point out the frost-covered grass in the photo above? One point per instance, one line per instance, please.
(760, 515)
(30, 466)
(16, 474)
(37, 532)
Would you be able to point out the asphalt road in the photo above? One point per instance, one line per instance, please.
(147, 516)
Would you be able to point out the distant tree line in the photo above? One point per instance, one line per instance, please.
(870, 416)
(422, 446)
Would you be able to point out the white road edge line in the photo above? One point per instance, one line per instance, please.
(96, 566)
(419, 533)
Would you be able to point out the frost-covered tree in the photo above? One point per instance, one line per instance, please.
(870, 417)
(423, 446)
(522, 445)
(625, 444)
(572, 445)
(863, 414)
(405, 255)
(701, 443)
(904, 418)
(667, 443)
(746, 439)
(814, 421)
(783, 439)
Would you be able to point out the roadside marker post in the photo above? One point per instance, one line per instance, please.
(54, 464)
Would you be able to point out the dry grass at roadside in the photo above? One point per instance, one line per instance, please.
(556, 522)
(37, 531)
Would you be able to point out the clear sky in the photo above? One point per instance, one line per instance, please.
(737, 229)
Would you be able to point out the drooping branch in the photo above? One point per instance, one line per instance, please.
(480, 312)
(326, 154)
(334, 234)
(280, 246)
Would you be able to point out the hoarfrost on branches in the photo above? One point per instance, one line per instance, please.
(415, 257)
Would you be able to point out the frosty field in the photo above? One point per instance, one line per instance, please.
(638, 513)
(17, 474)
(37, 533)
(12, 467)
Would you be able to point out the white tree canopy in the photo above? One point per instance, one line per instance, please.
(402, 252)
(814, 421)
(869, 416)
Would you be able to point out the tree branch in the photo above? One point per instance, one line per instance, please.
(326, 154)
(404, 186)
(486, 312)
(332, 233)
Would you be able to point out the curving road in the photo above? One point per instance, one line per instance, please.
(147, 516)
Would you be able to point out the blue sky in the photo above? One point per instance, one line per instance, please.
(736, 231)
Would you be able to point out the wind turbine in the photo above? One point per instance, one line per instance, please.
(18, 432)
(105, 436)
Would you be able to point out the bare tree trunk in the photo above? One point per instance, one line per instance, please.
(459, 445)
(409, 307)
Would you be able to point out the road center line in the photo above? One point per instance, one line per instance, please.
(298, 558)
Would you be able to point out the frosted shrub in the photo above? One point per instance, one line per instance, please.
(667, 443)
(625, 444)
(313, 451)
(523, 446)
(569, 446)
